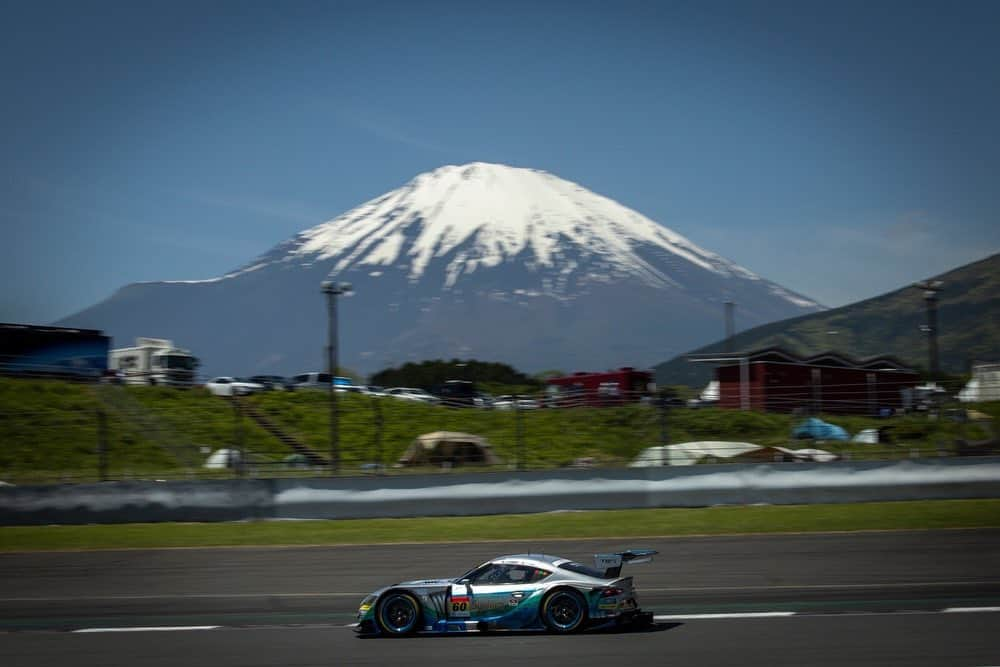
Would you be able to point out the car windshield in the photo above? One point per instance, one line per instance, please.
(181, 362)
(497, 574)
(473, 572)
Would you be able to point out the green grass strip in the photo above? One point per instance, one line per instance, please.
(941, 514)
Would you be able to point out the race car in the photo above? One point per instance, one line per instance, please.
(519, 592)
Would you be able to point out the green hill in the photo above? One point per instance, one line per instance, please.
(968, 325)
(51, 431)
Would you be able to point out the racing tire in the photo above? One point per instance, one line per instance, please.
(564, 611)
(398, 614)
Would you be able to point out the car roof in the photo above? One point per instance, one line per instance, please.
(554, 561)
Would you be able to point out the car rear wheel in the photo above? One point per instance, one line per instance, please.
(398, 614)
(564, 611)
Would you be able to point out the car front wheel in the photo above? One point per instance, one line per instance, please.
(398, 614)
(564, 611)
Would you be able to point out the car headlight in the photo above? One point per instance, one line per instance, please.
(366, 604)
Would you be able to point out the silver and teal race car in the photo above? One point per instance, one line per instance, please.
(520, 592)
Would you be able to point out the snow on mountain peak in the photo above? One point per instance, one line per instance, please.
(480, 214)
(490, 213)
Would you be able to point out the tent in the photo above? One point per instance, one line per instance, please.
(709, 395)
(690, 453)
(448, 448)
(807, 454)
(819, 430)
(221, 459)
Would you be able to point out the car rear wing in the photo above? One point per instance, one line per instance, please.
(611, 564)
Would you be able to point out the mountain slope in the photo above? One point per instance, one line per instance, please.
(968, 327)
(481, 260)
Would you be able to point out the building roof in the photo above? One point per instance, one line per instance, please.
(780, 355)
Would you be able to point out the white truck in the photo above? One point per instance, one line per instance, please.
(984, 384)
(154, 361)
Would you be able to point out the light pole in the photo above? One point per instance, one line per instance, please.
(730, 307)
(931, 288)
(332, 291)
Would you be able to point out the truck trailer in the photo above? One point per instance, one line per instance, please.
(154, 361)
(28, 350)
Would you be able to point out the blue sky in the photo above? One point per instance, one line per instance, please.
(841, 149)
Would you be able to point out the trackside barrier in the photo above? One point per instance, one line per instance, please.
(501, 493)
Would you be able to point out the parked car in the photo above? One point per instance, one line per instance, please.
(508, 402)
(225, 385)
(412, 394)
(272, 382)
(457, 393)
(316, 380)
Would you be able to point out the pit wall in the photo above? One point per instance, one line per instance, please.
(501, 493)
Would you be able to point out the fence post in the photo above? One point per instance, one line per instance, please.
(377, 408)
(238, 437)
(664, 433)
(102, 445)
(519, 431)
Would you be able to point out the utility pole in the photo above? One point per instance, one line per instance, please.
(930, 289)
(332, 291)
(730, 326)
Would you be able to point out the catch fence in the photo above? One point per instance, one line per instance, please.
(111, 432)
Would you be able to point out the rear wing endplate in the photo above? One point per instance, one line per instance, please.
(611, 564)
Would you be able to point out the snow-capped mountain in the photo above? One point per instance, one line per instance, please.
(480, 260)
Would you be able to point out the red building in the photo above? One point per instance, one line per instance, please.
(775, 380)
(615, 387)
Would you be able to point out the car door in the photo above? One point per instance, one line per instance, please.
(220, 386)
(500, 588)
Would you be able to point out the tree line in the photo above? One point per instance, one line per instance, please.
(428, 374)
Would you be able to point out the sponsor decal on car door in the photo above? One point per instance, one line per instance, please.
(497, 599)
(460, 602)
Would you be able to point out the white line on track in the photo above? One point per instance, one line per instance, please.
(658, 618)
(152, 628)
(748, 614)
(183, 596)
(901, 584)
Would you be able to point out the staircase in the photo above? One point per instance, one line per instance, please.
(148, 425)
(292, 442)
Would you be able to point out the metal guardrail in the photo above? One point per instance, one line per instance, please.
(516, 492)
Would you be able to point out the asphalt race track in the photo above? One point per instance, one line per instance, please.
(879, 598)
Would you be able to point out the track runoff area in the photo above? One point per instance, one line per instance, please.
(910, 597)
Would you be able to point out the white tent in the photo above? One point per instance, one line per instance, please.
(221, 459)
(984, 385)
(690, 453)
(808, 454)
(970, 392)
(710, 392)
